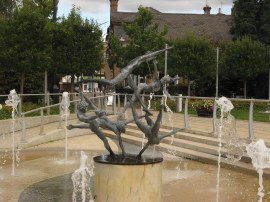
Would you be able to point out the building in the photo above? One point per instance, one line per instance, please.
(213, 26)
(216, 27)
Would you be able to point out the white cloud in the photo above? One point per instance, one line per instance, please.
(99, 9)
(93, 6)
(179, 6)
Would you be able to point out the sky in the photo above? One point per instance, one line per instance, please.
(99, 10)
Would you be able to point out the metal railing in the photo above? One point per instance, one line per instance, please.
(121, 99)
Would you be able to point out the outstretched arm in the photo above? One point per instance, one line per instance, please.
(133, 64)
(70, 127)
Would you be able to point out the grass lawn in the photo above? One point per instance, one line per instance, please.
(242, 114)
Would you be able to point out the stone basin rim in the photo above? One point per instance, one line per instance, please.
(128, 160)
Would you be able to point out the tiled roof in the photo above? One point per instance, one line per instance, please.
(216, 27)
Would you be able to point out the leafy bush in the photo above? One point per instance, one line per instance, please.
(5, 112)
(177, 89)
(202, 104)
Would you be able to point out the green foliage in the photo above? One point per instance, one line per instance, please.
(252, 18)
(202, 104)
(77, 45)
(26, 41)
(115, 52)
(7, 7)
(246, 57)
(177, 89)
(192, 57)
(245, 22)
(5, 112)
(264, 21)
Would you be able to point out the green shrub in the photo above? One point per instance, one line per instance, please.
(5, 112)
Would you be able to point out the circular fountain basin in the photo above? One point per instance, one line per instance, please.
(129, 159)
(42, 170)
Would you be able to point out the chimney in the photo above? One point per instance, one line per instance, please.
(207, 9)
(219, 12)
(114, 5)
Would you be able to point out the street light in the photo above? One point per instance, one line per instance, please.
(269, 77)
(217, 72)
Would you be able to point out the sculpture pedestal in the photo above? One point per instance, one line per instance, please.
(126, 181)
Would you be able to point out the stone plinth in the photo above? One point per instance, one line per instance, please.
(120, 182)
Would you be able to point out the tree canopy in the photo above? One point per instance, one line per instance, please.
(244, 58)
(252, 18)
(25, 40)
(77, 45)
(192, 58)
(264, 21)
(7, 7)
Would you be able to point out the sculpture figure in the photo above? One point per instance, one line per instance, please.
(133, 64)
(151, 130)
(102, 121)
(91, 121)
(155, 86)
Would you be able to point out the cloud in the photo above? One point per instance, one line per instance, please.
(92, 6)
(177, 6)
(99, 10)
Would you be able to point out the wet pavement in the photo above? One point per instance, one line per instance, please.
(43, 175)
(41, 169)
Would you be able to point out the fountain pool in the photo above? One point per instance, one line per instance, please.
(42, 173)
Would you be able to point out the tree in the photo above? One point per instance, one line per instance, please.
(7, 7)
(244, 59)
(143, 35)
(26, 42)
(252, 18)
(192, 57)
(245, 18)
(77, 46)
(264, 21)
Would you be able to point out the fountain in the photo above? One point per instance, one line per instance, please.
(123, 165)
(260, 156)
(226, 131)
(65, 103)
(81, 179)
(13, 101)
(126, 175)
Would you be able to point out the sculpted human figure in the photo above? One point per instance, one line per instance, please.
(150, 130)
(102, 121)
(155, 86)
(133, 64)
(91, 122)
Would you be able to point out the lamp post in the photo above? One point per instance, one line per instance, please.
(217, 72)
(269, 77)
(166, 58)
(215, 105)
